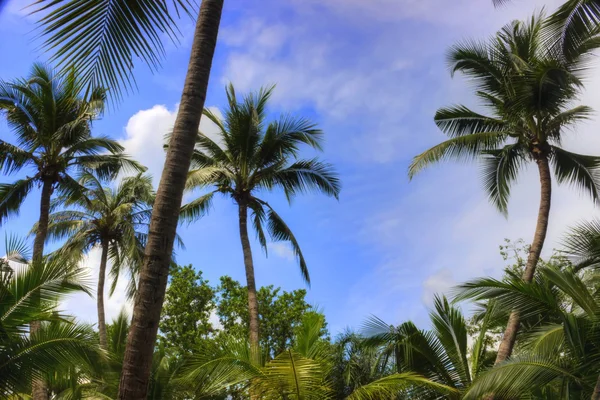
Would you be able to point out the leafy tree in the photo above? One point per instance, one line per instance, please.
(185, 323)
(116, 220)
(529, 83)
(255, 155)
(280, 314)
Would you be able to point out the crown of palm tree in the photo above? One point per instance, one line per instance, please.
(528, 82)
(251, 155)
(118, 217)
(52, 125)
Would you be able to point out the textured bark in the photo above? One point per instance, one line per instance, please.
(39, 390)
(510, 334)
(100, 296)
(157, 257)
(596, 393)
(42, 229)
(250, 282)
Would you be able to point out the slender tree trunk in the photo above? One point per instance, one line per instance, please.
(157, 256)
(250, 282)
(39, 390)
(510, 334)
(100, 296)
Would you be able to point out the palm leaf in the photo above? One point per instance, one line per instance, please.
(462, 148)
(578, 170)
(101, 38)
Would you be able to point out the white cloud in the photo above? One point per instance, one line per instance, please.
(439, 282)
(145, 132)
(84, 307)
(281, 249)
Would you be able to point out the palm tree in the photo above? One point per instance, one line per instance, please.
(52, 124)
(31, 294)
(102, 39)
(442, 354)
(558, 358)
(116, 220)
(529, 86)
(257, 156)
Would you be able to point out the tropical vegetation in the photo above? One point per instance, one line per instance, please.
(532, 333)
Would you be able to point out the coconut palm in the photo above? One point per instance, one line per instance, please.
(558, 358)
(102, 39)
(52, 125)
(251, 155)
(31, 294)
(529, 86)
(115, 220)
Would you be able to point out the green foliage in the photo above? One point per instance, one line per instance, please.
(280, 314)
(189, 302)
(30, 296)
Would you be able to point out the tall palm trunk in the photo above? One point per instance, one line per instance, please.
(510, 334)
(100, 295)
(250, 282)
(163, 225)
(39, 389)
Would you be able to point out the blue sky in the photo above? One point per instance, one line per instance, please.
(372, 74)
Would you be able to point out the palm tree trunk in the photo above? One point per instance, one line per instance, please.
(510, 334)
(100, 296)
(596, 393)
(250, 282)
(42, 228)
(163, 225)
(39, 390)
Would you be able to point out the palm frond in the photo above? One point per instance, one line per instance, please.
(395, 385)
(301, 177)
(578, 170)
(196, 208)
(12, 196)
(101, 39)
(500, 169)
(279, 231)
(460, 121)
(462, 148)
(516, 377)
